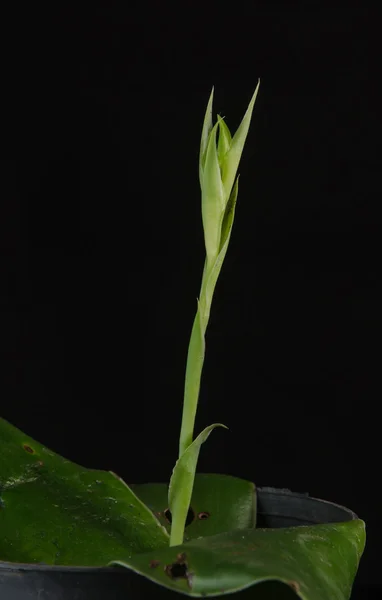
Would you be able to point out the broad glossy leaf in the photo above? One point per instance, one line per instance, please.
(182, 482)
(316, 562)
(219, 503)
(56, 512)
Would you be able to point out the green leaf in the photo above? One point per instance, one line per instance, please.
(229, 503)
(210, 279)
(207, 126)
(55, 511)
(316, 562)
(232, 158)
(229, 215)
(181, 484)
(213, 201)
(224, 141)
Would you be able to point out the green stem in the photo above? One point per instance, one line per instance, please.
(194, 366)
(217, 172)
(177, 532)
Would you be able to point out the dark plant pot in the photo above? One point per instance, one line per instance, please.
(276, 508)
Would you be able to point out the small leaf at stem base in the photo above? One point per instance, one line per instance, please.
(182, 482)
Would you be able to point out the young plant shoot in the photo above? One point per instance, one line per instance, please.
(219, 159)
(59, 519)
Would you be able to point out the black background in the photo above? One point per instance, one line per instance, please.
(102, 245)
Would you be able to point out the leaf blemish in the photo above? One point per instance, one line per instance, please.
(154, 563)
(294, 585)
(179, 569)
(28, 449)
(203, 515)
(181, 557)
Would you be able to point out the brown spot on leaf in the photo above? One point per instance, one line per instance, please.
(294, 585)
(181, 557)
(203, 515)
(179, 569)
(28, 449)
(168, 515)
(154, 563)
